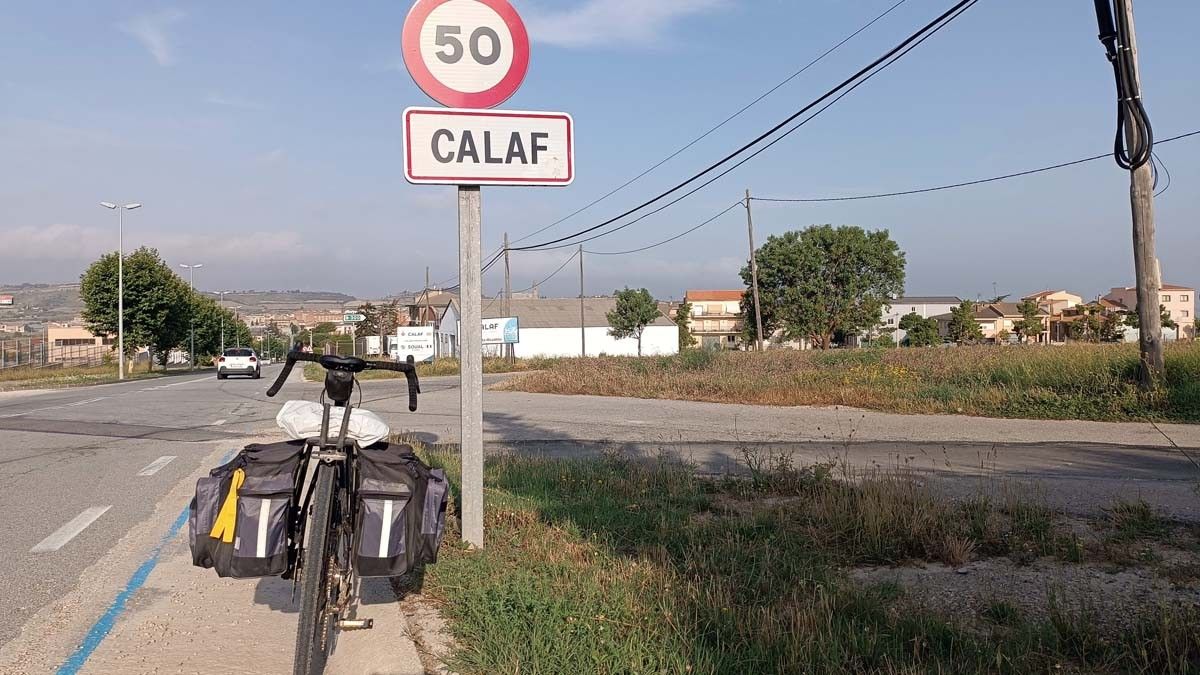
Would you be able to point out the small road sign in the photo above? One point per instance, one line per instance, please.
(466, 53)
(498, 147)
(353, 317)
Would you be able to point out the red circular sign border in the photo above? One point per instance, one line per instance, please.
(411, 46)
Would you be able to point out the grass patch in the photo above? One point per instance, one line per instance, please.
(617, 566)
(12, 379)
(1093, 382)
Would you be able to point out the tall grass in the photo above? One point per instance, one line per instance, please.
(613, 566)
(1095, 382)
(49, 378)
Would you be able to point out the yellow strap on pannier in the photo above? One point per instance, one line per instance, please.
(223, 526)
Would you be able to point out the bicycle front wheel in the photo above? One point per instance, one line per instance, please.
(315, 629)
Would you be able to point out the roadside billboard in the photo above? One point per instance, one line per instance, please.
(415, 341)
(503, 331)
(6, 300)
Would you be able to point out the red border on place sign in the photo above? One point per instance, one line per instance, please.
(411, 46)
(472, 180)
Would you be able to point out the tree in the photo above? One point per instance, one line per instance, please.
(964, 329)
(822, 280)
(884, 340)
(212, 322)
(635, 310)
(683, 316)
(157, 302)
(919, 331)
(1112, 328)
(1133, 321)
(1030, 324)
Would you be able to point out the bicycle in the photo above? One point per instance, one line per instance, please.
(323, 567)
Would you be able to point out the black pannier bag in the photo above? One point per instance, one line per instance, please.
(401, 511)
(239, 522)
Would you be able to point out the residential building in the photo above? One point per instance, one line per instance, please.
(1179, 301)
(12, 328)
(924, 306)
(716, 321)
(1055, 302)
(76, 344)
(996, 321)
(550, 327)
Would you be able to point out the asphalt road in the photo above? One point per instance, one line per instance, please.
(91, 478)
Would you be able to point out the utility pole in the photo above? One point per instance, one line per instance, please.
(425, 319)
(582, 325)
(1145, 260)
(508, 349)
(754, 273)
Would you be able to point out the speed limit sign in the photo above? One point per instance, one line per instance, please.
(466, 53)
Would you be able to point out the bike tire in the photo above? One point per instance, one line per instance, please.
(313, 633)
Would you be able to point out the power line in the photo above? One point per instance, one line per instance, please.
(763, 149)
(952, 186)
(543, 281)
(714, 129)
(667, 241)
(901, 49)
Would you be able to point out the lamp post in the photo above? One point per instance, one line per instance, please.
(120, 209)
(222, 294)
(192, 299)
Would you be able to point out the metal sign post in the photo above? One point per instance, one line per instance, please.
(470, 55)
(470, 216)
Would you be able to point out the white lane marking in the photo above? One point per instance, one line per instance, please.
(218, 423)
(69, 531)
(29, 412)
(90, 400)
(154, 467)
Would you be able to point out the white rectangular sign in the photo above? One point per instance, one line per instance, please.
(488, 147)
(502, 331)
(416, 341)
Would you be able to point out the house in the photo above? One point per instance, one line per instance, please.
(996, 321)
(72, 345)
(924, 306)
(12, 328)
(550, 327)
(716, 320)
(1179, 302)
(1055, 302)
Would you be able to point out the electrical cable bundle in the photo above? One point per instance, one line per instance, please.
(1134, 145)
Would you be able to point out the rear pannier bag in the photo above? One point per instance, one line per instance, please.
(401, 511)
(240, 520)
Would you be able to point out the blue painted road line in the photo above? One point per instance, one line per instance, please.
(104, 625)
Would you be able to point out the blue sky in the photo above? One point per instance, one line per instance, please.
(264, 140)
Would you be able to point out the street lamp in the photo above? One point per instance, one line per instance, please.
(192, 300)
(121, 279)
(222, 294)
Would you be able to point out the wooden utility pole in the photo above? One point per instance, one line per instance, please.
(582, 325)
(425, 318)
(754, 273)
(1145, 260)
(509, 353)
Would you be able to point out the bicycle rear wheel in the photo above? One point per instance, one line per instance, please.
(315, 628)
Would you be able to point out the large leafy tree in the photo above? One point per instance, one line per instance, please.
(377, 319)
(824, 280)
(919, 331)
(635, 310)
(964, 329)
(683, 316)
(1133, 321)
(157, 302)
(1030, 324)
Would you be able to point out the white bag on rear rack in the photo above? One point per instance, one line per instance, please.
(302, 420)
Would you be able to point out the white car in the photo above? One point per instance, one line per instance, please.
(239, 361)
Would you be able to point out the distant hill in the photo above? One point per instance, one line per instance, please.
(61, 302)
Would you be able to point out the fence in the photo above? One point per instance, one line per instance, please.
(36, 352)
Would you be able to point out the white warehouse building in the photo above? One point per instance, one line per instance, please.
(549, 327)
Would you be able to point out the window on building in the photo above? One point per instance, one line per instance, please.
(1166, 298)
(914, 309)
(1184, 313)
(1185, 298)
(891, 322)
